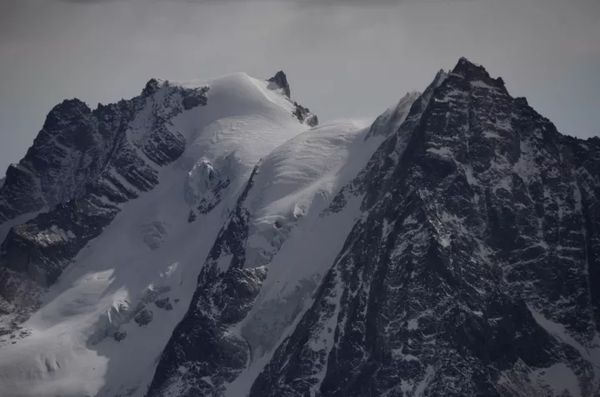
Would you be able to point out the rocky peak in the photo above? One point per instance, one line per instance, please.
(67, 123)
(280, 79)
(474, 72)
(56, 166)
(69, 107)
(151, 87)
(280, 83)
(482, 223)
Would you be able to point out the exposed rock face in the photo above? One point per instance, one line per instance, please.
(81, 167)
(280, 79)
(67, 153)
(305, 116)
(473, 270)
(475, 246)
(279, 82)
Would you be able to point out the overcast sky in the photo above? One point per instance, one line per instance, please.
(344, 58)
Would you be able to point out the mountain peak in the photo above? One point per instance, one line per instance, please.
(151, 87)
(472, 71)
(280, 79)
(463, 65)
(68, 106)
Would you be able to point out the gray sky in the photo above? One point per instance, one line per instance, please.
(344, 58)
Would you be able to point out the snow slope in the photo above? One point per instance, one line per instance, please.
(149, 252)
(298, 179)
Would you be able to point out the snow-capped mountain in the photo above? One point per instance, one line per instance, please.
(209, 239)
(111, 241)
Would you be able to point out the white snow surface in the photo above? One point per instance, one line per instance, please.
(299, 179)
(67, 352)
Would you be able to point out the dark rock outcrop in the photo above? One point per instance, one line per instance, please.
(280, 79)
(305, 116)
(144, 317)
(475, 245)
